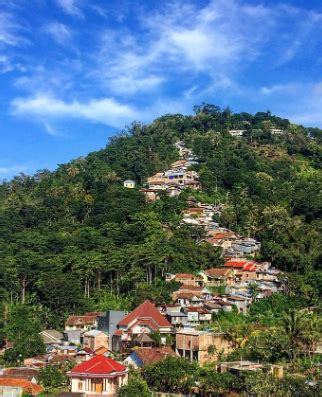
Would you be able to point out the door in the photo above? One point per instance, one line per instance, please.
(98, 386)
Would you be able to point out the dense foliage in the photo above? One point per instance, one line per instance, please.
(177, 375)
(74, 238)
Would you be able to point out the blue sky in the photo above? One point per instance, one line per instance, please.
(74, 72)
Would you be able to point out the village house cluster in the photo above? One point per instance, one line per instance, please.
(232, 244)
(240, 133)
(148, 334)
(175, 179)
(103, 346)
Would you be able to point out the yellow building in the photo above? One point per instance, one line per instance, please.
(129, 184)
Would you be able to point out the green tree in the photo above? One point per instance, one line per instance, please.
(23, 330)
(51, 377)
(135, 388)
(172, 375)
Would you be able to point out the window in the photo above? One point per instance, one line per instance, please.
(80, 385)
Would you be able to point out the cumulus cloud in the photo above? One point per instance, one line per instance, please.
(106, 110)
(218, 40)
(184, 50)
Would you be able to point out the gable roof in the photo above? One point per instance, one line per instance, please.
(146, 311)
(144, 338)
(250, 267)
(219, 272)
(99, 365)
(100, 350)
(186, 295)
(25, 384)
(152, 355)
(80, 320)
(187, 276)
(196, 309)
(238, 264)
(20, 372)
(51, 336)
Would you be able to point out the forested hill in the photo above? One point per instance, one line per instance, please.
(70, 235)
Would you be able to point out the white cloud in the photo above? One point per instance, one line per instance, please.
(182, 49)
(8, 30)
(106, 111)
(71, 7)
(5, 64)
(60, 32)
(301, 103)
(280, 89)
(219, 40)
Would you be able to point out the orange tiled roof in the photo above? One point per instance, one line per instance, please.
(238, 263)
(185, 276)
(193, 288)
(153, 355)
(185, 295)
(74, 320)
(217, 271)
(26, 385)
(100, 350)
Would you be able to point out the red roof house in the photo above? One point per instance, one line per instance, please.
(238, 264)
(245, 269)
(145, 318)
(99, 375)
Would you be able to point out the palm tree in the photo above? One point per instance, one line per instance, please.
(294, 325)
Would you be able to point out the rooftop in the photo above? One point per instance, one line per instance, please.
(153, 355)
(146, 311)
(25, 384)
(99, 365)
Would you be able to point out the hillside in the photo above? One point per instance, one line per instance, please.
(76, 238)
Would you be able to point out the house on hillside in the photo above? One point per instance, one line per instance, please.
(94, 339)
(187, 279)
(245, 270)
(201, 346)
(17, 387)
(239, 367)
(107, 322)
(177, 319)
(51, 336)
(141, 357)
(186, 298)
(82, 323)
(241, 302)
(99, 376)
(129, 184)
(146, 318)
(246, 246)
(218, 276)
(30, 374)
(236, 133)
(277, 131)
(201, 290)
(151, 195)
(197, 315)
